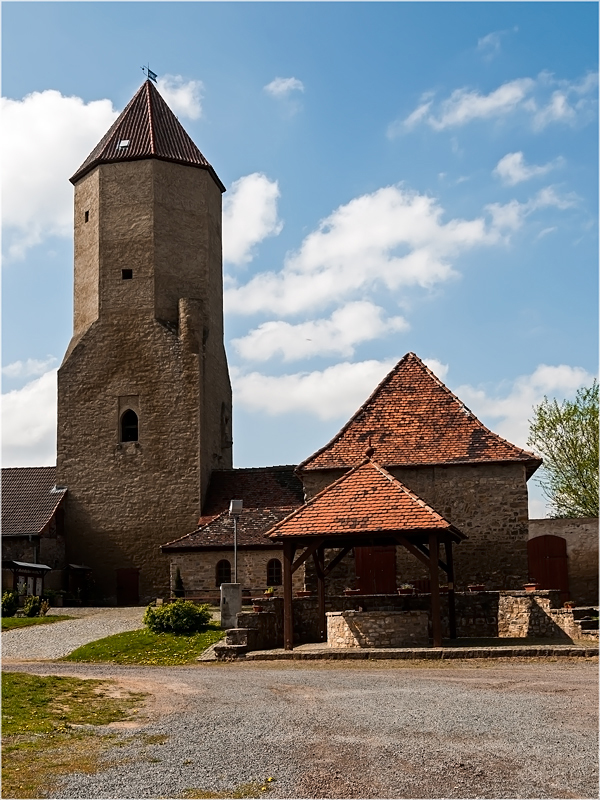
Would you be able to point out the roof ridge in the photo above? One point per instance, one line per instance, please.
(342, 430)
(150, 116)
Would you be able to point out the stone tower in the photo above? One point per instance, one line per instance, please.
(144, 398)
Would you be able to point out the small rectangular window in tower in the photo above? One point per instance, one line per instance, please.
(123, 143)
(87, 216)
(127, 274)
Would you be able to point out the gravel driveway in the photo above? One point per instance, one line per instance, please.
(60, 638)
(475, 729)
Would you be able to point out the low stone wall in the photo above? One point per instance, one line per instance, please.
(510, 614)
(536, 615)
(377, 629)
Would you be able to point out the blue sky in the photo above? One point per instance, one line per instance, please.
(401, 177)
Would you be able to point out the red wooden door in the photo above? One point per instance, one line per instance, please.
(128, 593)
(376, 569)
(547, 556)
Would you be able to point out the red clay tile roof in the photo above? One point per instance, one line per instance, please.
(28, 502)
(367, 499)
(258, 487)
(152, 130)
(413, 419)
(269, 494)
(218, 533)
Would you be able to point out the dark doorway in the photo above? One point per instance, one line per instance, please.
(376, 569)
(128, 587)
(547, 557)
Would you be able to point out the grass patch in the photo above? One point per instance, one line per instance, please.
(40, 742)
(10, 623)
(145, 647)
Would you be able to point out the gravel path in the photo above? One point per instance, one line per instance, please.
(475, 729)
(60, 638)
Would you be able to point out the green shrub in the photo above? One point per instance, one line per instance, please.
(10, 603)
(32, 606)
(181, 616)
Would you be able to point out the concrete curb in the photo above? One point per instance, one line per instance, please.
(422, 653)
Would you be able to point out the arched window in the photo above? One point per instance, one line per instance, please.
(129, 426)
(223, 572)
(274, 572)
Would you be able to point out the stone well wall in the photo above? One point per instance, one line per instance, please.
(377, 629)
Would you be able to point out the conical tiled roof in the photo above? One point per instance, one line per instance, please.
(412, 419)
(366, 500)
(151, 130)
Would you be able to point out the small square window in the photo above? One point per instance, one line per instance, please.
(87, 216)
(127, 274)
(123, 143)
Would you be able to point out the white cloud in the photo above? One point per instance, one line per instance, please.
(183, 97)
(29, 368)
(333, 393)
(249, 216)
(283, 87)
(45, 138)
(490, 46)
(29, 424)
(544, 100)
(390, 238)
(546, 231)
(511, 216)
(507, 409)
(347, 327)
(512, 169)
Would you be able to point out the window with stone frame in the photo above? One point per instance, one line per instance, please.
(274, 574)
(222, 572)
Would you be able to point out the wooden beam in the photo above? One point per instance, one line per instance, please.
(412, 549)
(319, 559)
(424, 550)
(312, 547)
(288, 620)
(436, 619)
(451, 596)
(336, 560)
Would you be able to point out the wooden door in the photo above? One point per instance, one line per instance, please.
(376, 569)
(548, 566)
(128, 592)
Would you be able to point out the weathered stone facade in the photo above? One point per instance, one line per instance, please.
(148, 336)
(377, 629)
(487, 502)
(198, 571)
(581, 536)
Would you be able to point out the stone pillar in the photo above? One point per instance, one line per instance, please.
(231, 604)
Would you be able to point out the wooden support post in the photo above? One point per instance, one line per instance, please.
(319, 559)
(451, 596)
(436, 620)
(288, 620)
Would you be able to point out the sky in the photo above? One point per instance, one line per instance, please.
(400, 177)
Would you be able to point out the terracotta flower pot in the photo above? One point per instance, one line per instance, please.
(256, 609)
(405, 591)
(477, 587)
(530, 587)
(303, 594)
(349, 592)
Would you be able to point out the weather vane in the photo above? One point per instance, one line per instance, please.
(147, 71)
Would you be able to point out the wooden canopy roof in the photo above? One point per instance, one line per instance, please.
(367, 503)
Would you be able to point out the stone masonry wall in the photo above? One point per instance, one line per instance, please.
(377, 629)
(487, 502)
(581, 536)
(198, 570)
(149, 350)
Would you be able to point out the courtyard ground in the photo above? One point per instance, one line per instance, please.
(459, 729)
